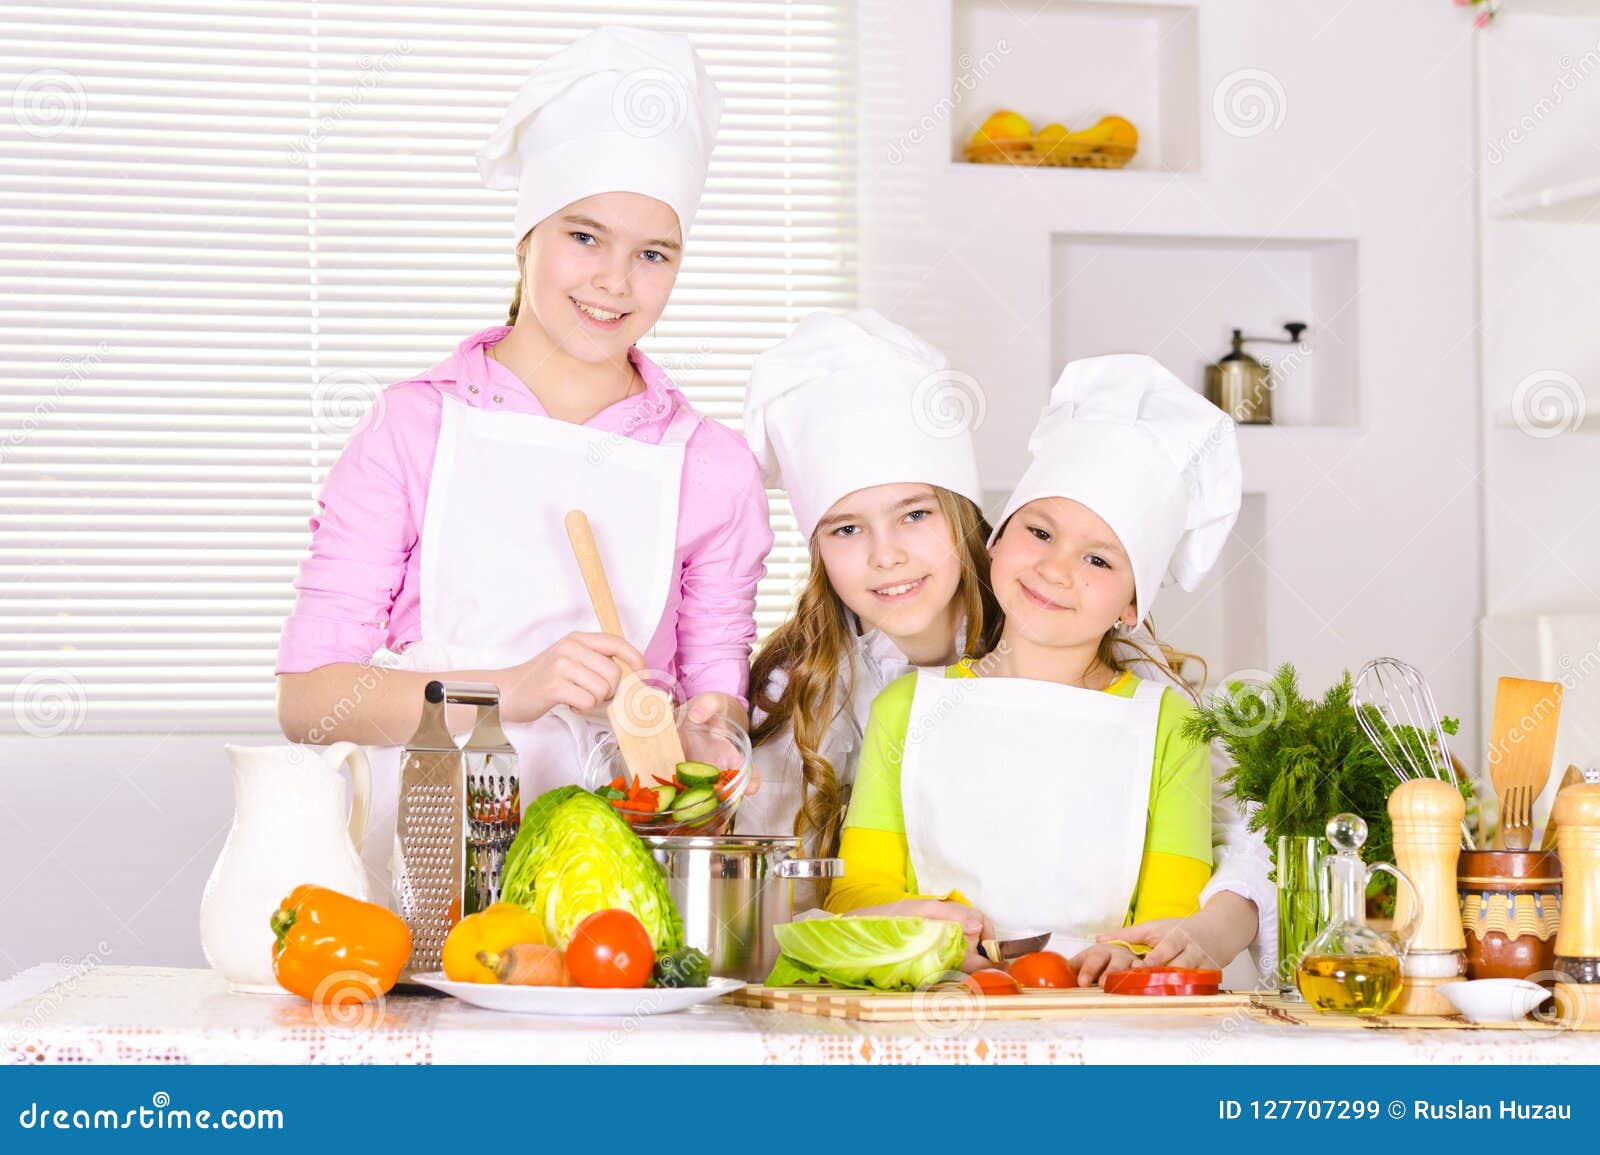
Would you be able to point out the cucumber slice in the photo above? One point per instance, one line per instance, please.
(664, 797)
(698, 773)
(695, 803)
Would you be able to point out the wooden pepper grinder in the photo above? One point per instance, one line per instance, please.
(1577, 814)
(1427, 814)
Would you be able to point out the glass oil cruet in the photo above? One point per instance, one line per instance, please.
(1351, 969)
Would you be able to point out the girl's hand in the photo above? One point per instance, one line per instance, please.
(1211, 938)
(974, 924)
(579, 671)
(1094, 963)
(704, 745)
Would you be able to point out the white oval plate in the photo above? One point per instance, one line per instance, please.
(612, 1001)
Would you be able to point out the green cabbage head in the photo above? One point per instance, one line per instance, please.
(885, 954)
(575, 855)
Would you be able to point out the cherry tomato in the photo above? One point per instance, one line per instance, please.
(1043, 968)
(610, 948)
(991, 982)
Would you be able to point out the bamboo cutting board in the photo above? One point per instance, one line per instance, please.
(1278, 1010)
(955, 1005)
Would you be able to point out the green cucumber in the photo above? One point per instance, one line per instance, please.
(664, 797)
(698, 773)
(695, 803)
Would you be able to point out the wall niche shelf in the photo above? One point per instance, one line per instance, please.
(1178, 297)
(1074, 62)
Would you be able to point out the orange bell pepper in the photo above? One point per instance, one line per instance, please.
(331, 947)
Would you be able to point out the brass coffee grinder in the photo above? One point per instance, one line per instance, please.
(1241, 386)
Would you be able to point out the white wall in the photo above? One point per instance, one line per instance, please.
(1370, 501)
(1363, 539)
(1539, 93)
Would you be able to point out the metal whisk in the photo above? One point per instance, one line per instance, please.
(1399, 696)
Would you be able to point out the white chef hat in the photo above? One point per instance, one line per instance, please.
(622, 110)
(1156, 461)
(847, 402)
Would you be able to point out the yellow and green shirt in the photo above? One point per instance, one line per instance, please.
(1177, 841)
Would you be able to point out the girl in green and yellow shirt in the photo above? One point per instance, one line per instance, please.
(1042, 787)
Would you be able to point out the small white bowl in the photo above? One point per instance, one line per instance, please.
(1494, 1000)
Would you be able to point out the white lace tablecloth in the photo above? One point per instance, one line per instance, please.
(159, 1015)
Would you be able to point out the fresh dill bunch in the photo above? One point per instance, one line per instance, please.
(1300, 761)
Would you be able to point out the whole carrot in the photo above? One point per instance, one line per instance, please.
(528, 965)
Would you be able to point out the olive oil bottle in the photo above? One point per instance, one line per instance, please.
(1350, 984)
(1351, 969)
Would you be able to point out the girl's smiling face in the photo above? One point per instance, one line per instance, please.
(597, 273)
(891, 556)
(1061, 575)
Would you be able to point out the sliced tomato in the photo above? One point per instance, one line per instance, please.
(1043, 969)
(991, 982)
(1164, 981)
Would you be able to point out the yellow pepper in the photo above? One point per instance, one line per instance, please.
(491, 931)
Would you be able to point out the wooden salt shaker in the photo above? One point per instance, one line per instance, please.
(1577, 814)
(1427, 814)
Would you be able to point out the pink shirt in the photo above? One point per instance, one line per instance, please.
(359, 588)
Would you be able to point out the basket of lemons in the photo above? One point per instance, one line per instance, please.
(1008, 138)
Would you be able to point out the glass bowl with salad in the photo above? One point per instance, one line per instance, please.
(701, 796)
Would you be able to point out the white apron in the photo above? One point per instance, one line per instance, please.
(499, 580)
(1031, 799)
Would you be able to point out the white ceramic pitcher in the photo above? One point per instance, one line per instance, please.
(290, 826)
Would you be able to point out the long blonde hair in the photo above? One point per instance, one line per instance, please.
(810, 647)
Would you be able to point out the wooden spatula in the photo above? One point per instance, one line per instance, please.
(640, 714)
(1522, 739)
(1572, 777)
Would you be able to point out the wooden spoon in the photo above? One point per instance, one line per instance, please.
(640, 714)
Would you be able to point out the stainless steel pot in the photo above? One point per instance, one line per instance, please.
(732, 890)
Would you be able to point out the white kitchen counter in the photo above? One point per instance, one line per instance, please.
(159, 1015)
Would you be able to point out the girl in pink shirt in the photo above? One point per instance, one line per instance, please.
(440, 536)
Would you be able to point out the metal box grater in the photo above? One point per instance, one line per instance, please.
(494, 810)
(460, 808)
(430, 833)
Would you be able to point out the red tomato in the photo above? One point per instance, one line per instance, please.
(1163, 981)
(1043, 968)
(610, 948)
(991, 982)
